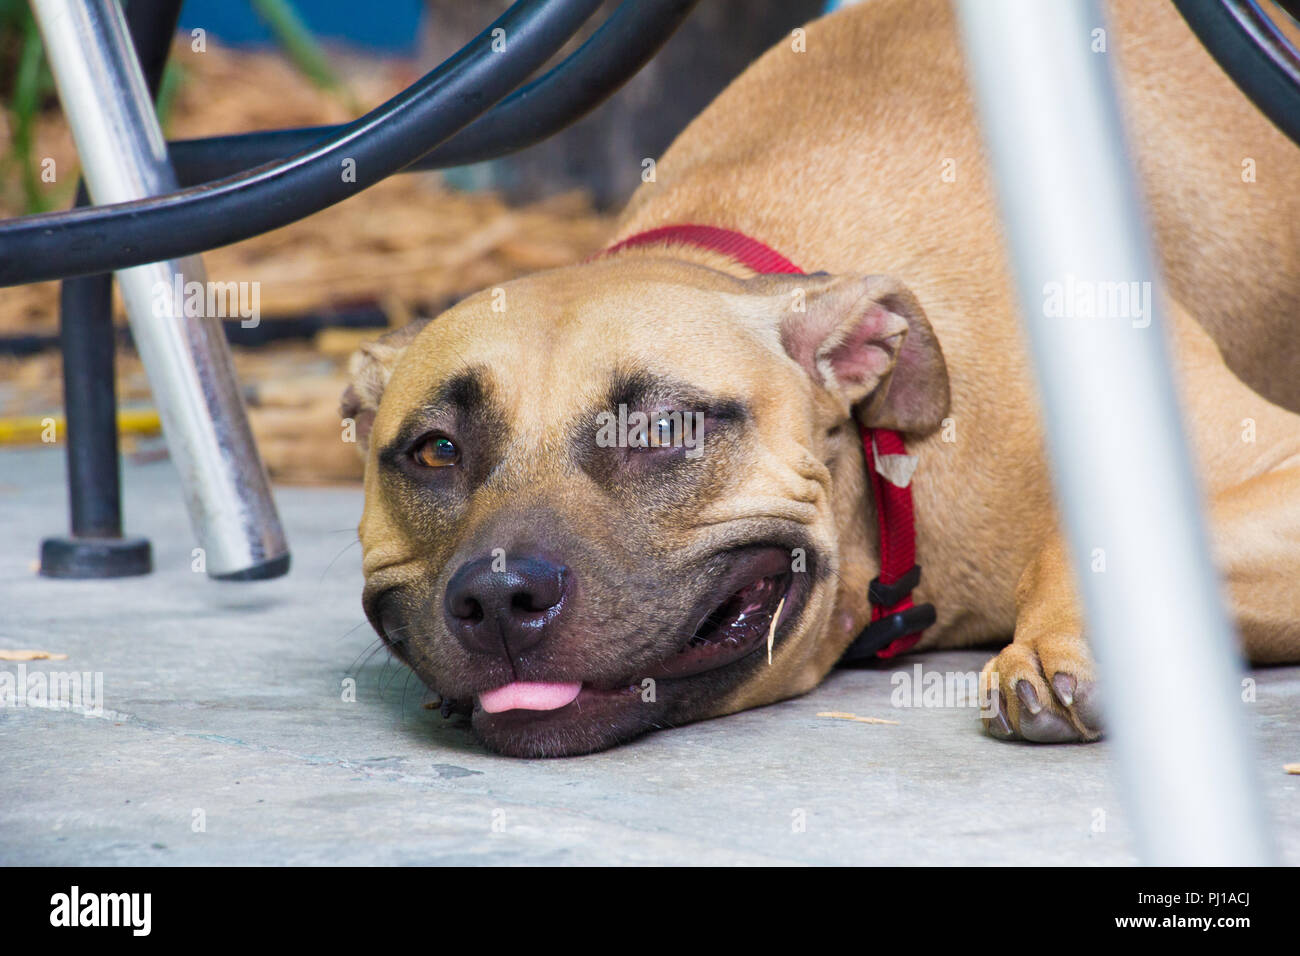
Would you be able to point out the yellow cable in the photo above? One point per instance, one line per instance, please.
(32, 429)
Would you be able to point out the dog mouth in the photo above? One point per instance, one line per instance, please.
(749, 608)
(735, 627)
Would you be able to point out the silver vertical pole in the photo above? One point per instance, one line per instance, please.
(124, 157)
(1124, 475)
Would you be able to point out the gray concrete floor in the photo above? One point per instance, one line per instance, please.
(224, 705)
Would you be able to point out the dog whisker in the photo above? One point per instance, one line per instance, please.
(370, 651)
(346, 548)
(353, 629)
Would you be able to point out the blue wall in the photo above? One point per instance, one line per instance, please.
(389, 25)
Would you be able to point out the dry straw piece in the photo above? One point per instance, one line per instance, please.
(771, 631)
(842, 715)
(26, 655)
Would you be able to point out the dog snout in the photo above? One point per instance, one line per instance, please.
(504, 608)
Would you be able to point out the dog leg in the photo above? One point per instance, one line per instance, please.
(1257, 543)
(1043, 683)
(1043, 686)
(1249, 457)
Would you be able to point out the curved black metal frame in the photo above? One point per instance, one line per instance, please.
(384, 141)
(1253, 52)
(614, 54)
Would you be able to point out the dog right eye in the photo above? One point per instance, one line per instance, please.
(436, 451)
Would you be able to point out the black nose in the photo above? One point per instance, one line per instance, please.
(507, 610)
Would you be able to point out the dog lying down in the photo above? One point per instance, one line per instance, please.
(635, 492)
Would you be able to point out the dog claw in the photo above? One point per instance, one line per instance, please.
(1028, 696)
(1064, 685)
(998, 725)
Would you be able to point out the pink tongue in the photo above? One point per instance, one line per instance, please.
(528, 695)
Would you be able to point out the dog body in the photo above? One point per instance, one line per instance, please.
(646, 576)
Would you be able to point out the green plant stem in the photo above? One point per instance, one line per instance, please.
(292, 34)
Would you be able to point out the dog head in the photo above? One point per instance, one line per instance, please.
(629, 494)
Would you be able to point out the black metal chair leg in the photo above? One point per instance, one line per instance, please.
(96, 548)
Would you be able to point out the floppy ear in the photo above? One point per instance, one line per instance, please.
(866, 340)
(370, 368)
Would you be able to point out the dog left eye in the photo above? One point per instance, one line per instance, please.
(661, 433)
(436, 451)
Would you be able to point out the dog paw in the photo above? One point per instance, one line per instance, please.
(1042, 691)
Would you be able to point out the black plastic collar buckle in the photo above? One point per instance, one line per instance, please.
(887, 595)
(881, 633)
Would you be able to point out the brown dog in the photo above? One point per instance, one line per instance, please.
(582, 590)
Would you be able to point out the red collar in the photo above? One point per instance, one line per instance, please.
(896, 623)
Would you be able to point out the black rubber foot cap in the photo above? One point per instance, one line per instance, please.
(95, 557)
(272, 568)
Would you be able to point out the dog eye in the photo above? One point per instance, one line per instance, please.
(436, 451)
(661, 433)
